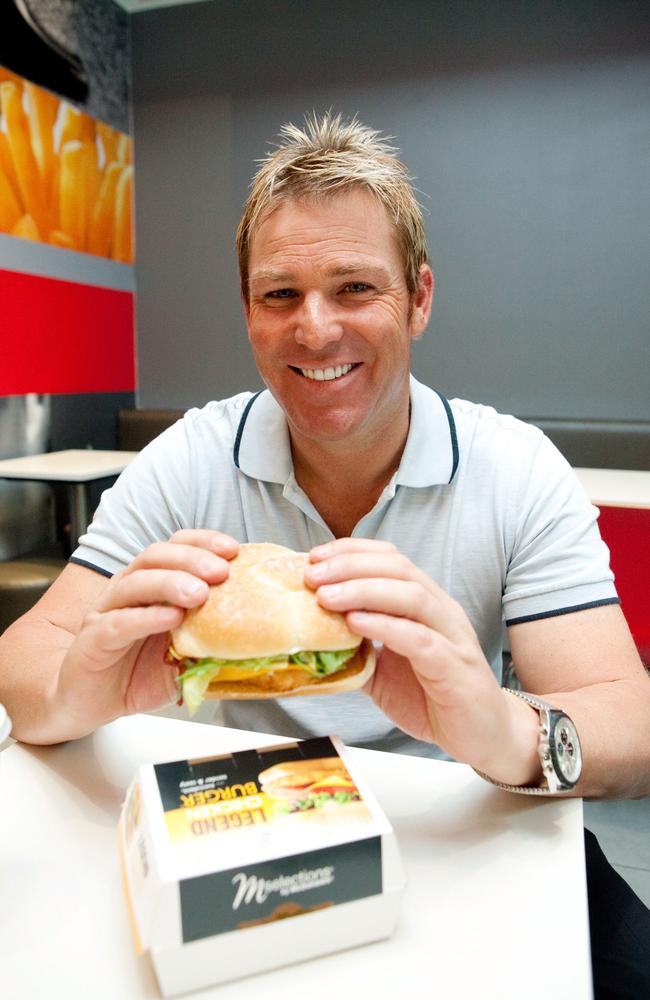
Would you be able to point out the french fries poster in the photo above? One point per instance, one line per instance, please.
(66, 178)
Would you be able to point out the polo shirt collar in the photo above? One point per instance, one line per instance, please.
(262, 447)
(430, 457)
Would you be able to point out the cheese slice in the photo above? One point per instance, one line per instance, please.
(242, 674)
(335, 781)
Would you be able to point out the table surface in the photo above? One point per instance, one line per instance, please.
(75, 465)
(494, 880)
(616, 487)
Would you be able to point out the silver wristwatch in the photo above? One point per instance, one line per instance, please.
(559, 750)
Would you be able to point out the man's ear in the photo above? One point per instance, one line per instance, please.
(421, 302)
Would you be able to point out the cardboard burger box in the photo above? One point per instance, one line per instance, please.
(249, 861)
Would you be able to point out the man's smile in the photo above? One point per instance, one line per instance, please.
(329, 374)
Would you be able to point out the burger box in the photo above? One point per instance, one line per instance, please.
(217, 853)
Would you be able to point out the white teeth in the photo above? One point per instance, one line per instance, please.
(326, 374)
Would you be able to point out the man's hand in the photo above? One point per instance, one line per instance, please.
(432, 678)
(115, 664)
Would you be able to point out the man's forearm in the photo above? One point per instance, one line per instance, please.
(31, 653)
(613, 722)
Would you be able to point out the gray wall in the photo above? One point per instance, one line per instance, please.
(527, 126)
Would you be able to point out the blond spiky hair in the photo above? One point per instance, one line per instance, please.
(328, 155)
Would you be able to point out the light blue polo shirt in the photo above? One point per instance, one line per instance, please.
(482, 502)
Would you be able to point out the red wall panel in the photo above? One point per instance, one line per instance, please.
(627, 534)
(63, 337)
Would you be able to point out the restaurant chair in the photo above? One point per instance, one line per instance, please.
(30, 558)
(22, 583)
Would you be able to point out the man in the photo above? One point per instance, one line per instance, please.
(428, 522)
(347, 452)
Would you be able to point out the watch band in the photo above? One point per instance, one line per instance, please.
(544, 709)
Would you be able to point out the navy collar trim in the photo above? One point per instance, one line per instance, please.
(430, 457)
(242, 424)
(452, 434)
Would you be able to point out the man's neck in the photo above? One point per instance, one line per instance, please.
(345, 478)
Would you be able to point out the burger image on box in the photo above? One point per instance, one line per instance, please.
(245, 862)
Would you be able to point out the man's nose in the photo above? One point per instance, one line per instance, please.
(316, 323)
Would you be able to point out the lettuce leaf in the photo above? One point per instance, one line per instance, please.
(323, 663)
(193, 691)
(197, 675)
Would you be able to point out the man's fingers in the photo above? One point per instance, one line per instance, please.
(205, 538)
(354, 566)
(400, 598)
(105, 635)
(403, 598)
(341, 546)
(177, 556)
(153, 586)
(412, 640)
(152, 594)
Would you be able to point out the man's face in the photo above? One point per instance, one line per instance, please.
(330, 319)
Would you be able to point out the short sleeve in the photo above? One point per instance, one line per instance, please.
(558, 562)
(148, 503)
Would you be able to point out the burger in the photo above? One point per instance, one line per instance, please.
(299, 785)
(262, 633)
(292, 779)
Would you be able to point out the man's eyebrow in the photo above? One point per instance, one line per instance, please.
(340, 271)
(270, 274)
(356, 267)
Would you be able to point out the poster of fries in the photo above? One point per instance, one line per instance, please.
(66, 178)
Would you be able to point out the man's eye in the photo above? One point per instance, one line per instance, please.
(280, 293)
(356, 286)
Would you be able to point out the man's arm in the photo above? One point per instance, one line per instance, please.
(587, 664)
(32, 649)
(92, 648)
(433, 680)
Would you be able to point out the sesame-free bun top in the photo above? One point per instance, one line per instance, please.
(263, 608)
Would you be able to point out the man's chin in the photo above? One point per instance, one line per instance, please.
(314, 414)
(322, 425)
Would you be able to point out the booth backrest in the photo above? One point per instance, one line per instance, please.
(136, 428)
(599, 444)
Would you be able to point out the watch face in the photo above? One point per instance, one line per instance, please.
(565, 750)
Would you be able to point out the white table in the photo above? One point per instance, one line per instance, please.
(494, 880)
(76, 467)
(616, 487)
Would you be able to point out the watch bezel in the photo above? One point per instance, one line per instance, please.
(557, 720)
